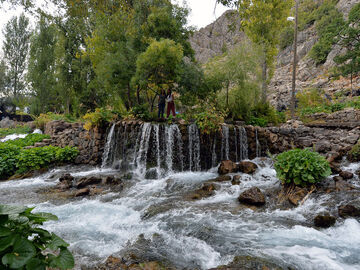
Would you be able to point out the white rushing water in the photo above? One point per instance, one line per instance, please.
(192, 234)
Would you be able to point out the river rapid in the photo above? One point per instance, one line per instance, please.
(157, 220)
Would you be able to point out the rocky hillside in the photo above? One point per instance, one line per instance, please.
(216, 37)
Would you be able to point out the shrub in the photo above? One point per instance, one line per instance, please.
(354, 153)
(264, 113)
(301, 167)
(286, 37)
(257, 121)
(98, 117)
(66, 154)
(23, 245)
(17, 130)
(139, 112)
(8, 158)
(29, 140)
(44, 118)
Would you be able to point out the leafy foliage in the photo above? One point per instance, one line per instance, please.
(29, 140)
(23, 245)
(16, 130)
(98, 117)
(301, 167)
(45, 118)
(354, 153)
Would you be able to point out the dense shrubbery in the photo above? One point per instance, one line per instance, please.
(44, 118)
(23, 245)
(17, 130)
(99, 117)
(264, 114)
(301, 167)
(354, 153)
(15, 159)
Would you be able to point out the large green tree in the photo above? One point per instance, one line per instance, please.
(16, 47)
(41, 69)
(262, 21)
(349, 62)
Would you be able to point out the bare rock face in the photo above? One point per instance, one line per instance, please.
(227, 166)
(252, 196)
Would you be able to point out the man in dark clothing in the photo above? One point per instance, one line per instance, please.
(161, 104)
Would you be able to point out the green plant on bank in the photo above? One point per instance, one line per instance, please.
(264, 114)
(301, 167)
(354, 153)
(13, 159)
(16, 130)
(29, 140)
(44, 118)
(24, 245)
(99, 117)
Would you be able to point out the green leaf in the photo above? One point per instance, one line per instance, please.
(4, 231)
(11, 209)
(7, 241)
(35, 264)
(65, 260)
(23, 251)
(56, 242)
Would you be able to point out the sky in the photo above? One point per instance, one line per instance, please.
(203, 12)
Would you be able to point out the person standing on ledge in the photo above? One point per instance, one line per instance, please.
(170, 103)
(161, 104)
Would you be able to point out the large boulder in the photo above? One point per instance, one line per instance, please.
(324, 221)
(349, 210)
(247, 167)
(86, 181)
(252, 196)
(227, 166)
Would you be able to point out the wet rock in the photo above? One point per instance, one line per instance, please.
(335, 168)
(227, 166)
(222, 178)
(82, 192)
(324, 221)
(252, 196)
(111, 180)
(247, 167)
(346, 175)
(66, 177)
(207, 190)
(236, 180)
(114, 263)
(338, 178)
(349, 210)
(86, 181)
(297, 195)
(342, 185)
(248, 263)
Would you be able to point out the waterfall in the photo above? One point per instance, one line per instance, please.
(180, 147)
(243, 143)
(109, 142)
(141, 156)
(194, 148)
(258, 146)
(225, 142)
(169, 134)
(157, 144)
(213, 155)
(236, 148)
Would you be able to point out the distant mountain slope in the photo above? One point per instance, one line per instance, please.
(216, 37)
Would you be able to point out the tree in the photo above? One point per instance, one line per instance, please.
(159, 67)
(41, 69)
(262, 21)
(16, 46)
(3, 78)
(349, 62)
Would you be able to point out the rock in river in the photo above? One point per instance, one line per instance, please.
(252, 196)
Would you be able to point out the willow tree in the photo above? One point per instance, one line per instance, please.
(262, 21)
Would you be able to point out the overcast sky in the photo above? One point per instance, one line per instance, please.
(203, 12)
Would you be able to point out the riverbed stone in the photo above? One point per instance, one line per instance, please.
(297, 195)
(222, 178)
(236, 180)
(227, 166)
(248, 263)
(346, 175)
(82, 192)
(349, 210)
(247, 167)
(324, 221)
(252, 196)
(86, 181)
(207, 189)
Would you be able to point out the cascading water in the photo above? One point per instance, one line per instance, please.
(258, 146)
(157, 144)
(213, 155)
(243, 144)
(108, 145)
(141, 156)
(236, 147)
(194, 148)
(225, 142)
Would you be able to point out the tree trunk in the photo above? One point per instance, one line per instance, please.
(138, 95)
(128, 96)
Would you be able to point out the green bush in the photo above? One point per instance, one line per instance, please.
(23, 245)
(66, 154)
(140, 112)
(29, 140)
(354, 153)
(257, 121)
(8, 159)
(263, 113)
(286, 37)
(17, 130)
(99, 117)
(44, 118)
(301, 167)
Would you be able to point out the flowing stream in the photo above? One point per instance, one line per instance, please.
(189, 234)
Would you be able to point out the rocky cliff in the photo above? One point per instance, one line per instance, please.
(216, 37)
